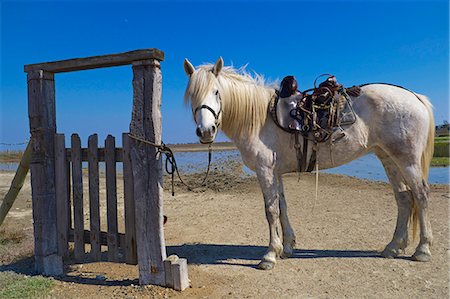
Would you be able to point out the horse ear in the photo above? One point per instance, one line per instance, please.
(218, 66)
(188, 67)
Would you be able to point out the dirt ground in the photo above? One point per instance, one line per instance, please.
(223, 233)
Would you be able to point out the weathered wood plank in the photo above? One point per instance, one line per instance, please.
(94, 196)
(42, 117)
(111, 198)
(77, 191)
(61, 195)
(94, 62)
(101, 154)
(147, 172)
(16, 184)
(69, 194)
(103, 238)
(130, 226)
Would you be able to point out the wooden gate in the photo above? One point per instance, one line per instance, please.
(53, 186)
(102, 165)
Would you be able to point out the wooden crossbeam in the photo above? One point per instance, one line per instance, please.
(94, 62)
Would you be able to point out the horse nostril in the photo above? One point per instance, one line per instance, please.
(198, 132)
(213, 129)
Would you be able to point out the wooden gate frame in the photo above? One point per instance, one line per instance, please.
(146, 165)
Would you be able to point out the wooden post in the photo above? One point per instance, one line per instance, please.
(180, 275)
(42, 116)
(147, 171)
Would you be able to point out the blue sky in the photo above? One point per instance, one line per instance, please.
(402, 42)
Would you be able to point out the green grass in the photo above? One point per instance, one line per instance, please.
(441, 149)
(13, 285)
(440, 161)
(443, 138)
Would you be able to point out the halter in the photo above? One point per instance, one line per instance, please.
(216, 115)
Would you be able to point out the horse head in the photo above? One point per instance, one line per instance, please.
(204, 96)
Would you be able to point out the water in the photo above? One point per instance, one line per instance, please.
(370, 168)
(367, 167)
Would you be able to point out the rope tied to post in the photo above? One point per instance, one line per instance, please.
(172, 163)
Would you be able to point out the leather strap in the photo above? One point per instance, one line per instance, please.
(298, 153)
(312, 161)
(305, 154)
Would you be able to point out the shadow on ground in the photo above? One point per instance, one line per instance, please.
(197, 253)
(25, 266)
(214, 254)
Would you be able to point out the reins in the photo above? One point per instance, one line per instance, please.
(170, 160)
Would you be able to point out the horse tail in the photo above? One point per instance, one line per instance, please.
(426, 157)
(427, 154)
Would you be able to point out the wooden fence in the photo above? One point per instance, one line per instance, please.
(71, 200)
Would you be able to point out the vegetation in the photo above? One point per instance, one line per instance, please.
(443, 130)
(11, 236)
(442, 138)
(10, 156)
(440, 161)
(13, 285)
(442, 148)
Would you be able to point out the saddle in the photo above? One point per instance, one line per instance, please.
(317, 115)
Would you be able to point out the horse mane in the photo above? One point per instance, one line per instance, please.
(245, 98)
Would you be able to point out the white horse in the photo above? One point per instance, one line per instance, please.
(395, 124)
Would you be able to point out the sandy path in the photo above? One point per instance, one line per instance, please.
(223, 233)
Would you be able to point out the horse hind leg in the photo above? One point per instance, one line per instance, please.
(404, 200)
(412, 173)
(420, 191)
(288, 232)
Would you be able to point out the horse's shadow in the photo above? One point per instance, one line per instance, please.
(201, 254)
(214, 254)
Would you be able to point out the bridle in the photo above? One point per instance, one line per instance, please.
(216, 115)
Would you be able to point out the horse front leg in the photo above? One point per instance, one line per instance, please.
(288, 232)
(268, 183)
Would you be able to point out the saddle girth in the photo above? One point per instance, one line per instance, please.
(302, 154)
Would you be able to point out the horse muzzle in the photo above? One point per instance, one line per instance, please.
(206, 135)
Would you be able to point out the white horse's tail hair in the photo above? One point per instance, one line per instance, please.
(427, 156)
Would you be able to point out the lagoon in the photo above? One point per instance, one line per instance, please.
(367, 167)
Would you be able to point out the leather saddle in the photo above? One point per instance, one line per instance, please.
(320, 113)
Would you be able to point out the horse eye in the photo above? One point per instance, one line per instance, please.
(217, 92)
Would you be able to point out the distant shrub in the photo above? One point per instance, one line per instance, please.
(441, 149)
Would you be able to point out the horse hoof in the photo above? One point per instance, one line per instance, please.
(286, 253)
(421, 257)
(389, 253)
(265, 265)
